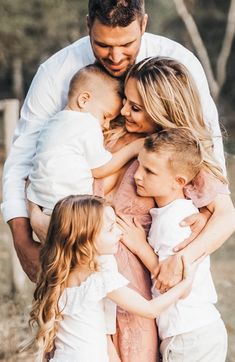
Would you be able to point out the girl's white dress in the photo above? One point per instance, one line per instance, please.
(82, 332)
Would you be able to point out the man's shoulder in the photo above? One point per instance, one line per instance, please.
(158, 45)
(79, 52)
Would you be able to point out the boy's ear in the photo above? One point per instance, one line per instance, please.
(82, 99)
(180, 182)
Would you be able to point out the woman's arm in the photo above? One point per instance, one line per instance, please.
(218, 229)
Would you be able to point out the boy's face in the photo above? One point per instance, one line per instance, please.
(116, 48)
(154, 176)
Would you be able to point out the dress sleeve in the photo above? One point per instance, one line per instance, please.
(204, 188)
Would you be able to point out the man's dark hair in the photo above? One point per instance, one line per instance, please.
(115, 12)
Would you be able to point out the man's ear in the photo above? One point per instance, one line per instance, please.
(88, 23)
(144, 23)
(82, 99)
(180, 181)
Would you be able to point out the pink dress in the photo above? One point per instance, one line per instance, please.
(136, 338)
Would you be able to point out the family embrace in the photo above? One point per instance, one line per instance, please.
(127, 192)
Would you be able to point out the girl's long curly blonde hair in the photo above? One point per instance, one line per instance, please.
(75, 224)
(171, 99)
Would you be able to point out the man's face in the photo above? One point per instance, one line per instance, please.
(116, 48)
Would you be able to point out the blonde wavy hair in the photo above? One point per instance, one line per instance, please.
(75, 224)
(171, 99)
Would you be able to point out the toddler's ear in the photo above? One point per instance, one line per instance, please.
(180, 182)
(82, 99)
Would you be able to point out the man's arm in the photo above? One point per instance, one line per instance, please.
(218, 229)
(26, 248)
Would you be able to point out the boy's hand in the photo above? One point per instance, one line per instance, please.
(133, 233)
(169, 273)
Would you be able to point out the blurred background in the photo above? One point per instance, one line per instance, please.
(31, 31)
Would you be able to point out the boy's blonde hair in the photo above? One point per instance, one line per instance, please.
(171, 99)
(182, 149)
(76, 222)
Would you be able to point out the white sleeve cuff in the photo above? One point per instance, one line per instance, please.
(14, 208)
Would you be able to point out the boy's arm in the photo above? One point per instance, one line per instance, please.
(134, 238)
(119, 159)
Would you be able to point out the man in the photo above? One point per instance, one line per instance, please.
(117, 39)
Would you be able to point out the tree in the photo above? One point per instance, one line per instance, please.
(217, 77)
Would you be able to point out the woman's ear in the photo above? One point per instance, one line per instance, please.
(82, 99)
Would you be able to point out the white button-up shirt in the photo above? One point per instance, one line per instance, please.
(48, 95)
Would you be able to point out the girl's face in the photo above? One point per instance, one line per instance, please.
(137, 119)
(108, 240)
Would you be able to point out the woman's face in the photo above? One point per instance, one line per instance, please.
(137, 119)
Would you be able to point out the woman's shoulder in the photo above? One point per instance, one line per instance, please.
(204, 188)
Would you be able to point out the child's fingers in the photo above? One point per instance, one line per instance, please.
(137, 224)
(185, 267)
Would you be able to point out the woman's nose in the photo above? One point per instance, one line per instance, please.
(125, 111)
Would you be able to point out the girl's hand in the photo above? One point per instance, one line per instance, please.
(133, 233)
(189, 271)
(38, 220)
(197, 222)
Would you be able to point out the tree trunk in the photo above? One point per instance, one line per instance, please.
(17, 78)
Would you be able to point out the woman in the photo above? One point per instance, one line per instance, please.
(159, 93)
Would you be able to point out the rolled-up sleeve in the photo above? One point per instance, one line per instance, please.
(39, 105)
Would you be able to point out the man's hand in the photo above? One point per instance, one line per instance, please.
(39, 221)
(26, 248)
(197, 222)
(169, 273)
(133, 233)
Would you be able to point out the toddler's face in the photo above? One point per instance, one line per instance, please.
(105, 107)
(108, 240)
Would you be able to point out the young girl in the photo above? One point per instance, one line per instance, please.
(68, 304)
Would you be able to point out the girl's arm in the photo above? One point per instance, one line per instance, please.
(119, 159)
(133, 302)
(218, 229)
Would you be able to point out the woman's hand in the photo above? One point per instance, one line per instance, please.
(133, 233)
(196, 222)
(39, 221)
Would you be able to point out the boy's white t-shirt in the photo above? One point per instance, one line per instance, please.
(69, 145)
(197, 310)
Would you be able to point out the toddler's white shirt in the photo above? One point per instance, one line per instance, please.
(69, 145)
